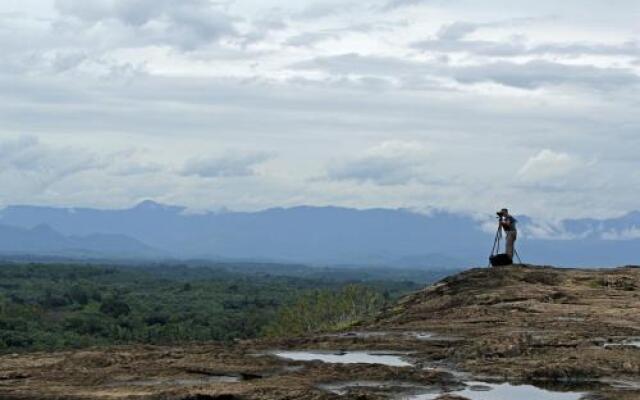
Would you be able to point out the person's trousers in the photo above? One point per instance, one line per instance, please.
(510, 242)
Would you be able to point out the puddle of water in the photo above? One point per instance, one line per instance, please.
(632, 343)
(381, 334)
(351, 357)
(423, 335)
(504, 391)
(622, 384)
(432, 336)
(361, 334)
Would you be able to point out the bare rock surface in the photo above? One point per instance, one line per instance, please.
(564, 330)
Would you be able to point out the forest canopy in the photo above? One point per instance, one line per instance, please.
(58, 306)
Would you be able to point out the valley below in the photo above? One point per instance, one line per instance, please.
(510, 333)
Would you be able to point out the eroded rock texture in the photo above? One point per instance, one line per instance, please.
(559, 329)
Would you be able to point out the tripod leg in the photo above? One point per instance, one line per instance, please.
(496, 246)
(517, 255)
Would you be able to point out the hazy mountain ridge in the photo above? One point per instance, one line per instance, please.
(326, 235)
(43, 240)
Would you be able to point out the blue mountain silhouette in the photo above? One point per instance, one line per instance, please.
(318, 235)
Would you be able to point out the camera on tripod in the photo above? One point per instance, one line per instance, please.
(506, 223)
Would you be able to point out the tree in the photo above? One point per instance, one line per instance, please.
(114, 307)
(78, 294)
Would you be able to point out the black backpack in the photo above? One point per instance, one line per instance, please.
(500, 260)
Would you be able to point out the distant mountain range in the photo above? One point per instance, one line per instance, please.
(316, 235)
(43, 240)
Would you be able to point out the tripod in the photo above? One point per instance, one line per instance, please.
(496, 246)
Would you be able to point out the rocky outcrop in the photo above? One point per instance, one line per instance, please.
(565, 329)
(532, 322)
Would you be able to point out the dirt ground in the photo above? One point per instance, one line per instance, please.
(555, 328)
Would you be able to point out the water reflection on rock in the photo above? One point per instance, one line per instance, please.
(350, 357)
(504, 391)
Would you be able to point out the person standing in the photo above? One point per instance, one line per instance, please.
(508, 226)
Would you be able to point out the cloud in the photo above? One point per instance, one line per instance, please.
(262, 27)
(27, 155)
(191, 77)
(631, 233)
(186, 24)
(539, 73)
(134, 168)
(457, 30)
(450, 38)
(478, 47)
(132, 162)
(319, 10)
(511, 48)
(309, 39)
(39, 172)
(548, 164)
(32, 169)
(353, 63)
(389, 163)
(62, 61)
(628, 48)
(396, 4)
(229, 165)
(529, 75)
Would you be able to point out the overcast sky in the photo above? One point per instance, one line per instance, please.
(246, 104)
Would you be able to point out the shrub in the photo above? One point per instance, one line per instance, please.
(87, 324)
(115, 308)
(78, 295)
(326, 310)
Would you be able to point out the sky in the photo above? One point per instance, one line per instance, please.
(458, 105)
